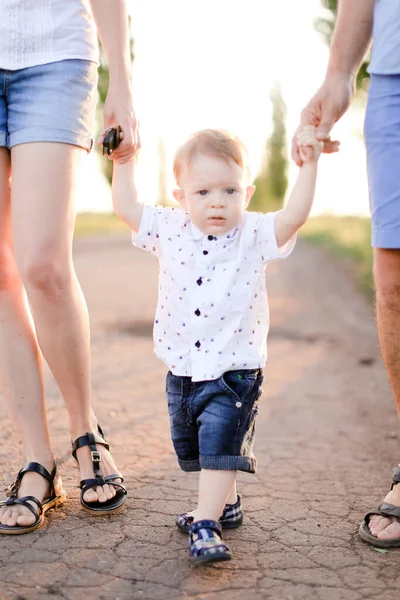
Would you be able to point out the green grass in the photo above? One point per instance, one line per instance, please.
(348, 238)
(92, 223)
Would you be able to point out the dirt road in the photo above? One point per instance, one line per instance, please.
(327, 437)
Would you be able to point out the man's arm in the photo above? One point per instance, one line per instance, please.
(124, 195)
(351, 37)
(350, 42)
(111, 18)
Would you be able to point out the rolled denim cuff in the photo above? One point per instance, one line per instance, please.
(190, 465)
(229, 463)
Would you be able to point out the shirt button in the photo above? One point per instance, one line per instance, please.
(238, 404)
(197, 312)
(205, 252)
(199, 281)
(210, 237)
(197, 344)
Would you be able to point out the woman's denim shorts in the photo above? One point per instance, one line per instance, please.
(212, 422)
(54, 102)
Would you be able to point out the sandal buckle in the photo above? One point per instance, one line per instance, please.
(96, 456)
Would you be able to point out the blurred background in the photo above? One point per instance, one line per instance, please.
(250, 67)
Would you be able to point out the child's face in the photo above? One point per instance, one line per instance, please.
(215, 193)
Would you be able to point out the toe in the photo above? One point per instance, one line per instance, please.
(91, 495)
(25, 518)
(5, 515)
(391, 532)
(108, 492)
(101, 494)
(378, 524)
(13, 516)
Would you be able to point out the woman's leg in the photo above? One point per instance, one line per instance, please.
(44, 177)
(21, 377)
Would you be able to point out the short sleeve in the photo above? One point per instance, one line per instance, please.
(266, 244)
(157, 223)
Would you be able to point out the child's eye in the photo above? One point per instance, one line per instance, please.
(203, 192)
(230, 191)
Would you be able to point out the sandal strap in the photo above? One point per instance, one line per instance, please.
(25, 501)
(206, 524)
(395, 476)
(389, 510)
(91, 439)
(205, 538)
(87, 484)
(33, 467)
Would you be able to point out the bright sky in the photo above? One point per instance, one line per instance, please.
(212, 64)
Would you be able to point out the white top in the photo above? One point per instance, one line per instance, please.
(36, 32)
(212, 314)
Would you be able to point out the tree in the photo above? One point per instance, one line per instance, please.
(325, 26)
(271, 183)
(102, 88)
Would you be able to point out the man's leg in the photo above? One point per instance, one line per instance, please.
(387, 280)
(43, 185)
(382, 137)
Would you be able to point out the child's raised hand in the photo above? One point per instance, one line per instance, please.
(310, 147)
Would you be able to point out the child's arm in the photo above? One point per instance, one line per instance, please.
(296, 211)
(124, 194)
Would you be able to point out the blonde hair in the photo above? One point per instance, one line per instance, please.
(214, 142)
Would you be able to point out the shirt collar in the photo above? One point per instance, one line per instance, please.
(195, 233)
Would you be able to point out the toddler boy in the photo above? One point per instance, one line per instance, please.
(212, 319)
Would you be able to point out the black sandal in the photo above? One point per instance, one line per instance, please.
(52, 501)
(385, 509)
(113, 505)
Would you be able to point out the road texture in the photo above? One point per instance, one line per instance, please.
(327, 438)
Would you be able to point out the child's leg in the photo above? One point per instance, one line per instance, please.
(232, 497)
(214, 489)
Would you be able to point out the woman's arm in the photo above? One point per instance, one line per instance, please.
(111, 17)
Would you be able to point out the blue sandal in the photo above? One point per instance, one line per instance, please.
(205, 542)
(232, 517)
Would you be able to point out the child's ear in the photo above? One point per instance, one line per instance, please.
(179, 196)
(249, 193)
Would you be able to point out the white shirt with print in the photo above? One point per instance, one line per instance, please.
(212, 314)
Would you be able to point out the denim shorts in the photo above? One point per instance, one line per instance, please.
(54, 102)
(213, 422)
(382, 138)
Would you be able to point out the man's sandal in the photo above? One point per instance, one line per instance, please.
(232, 517)
(385, 509)
(51, 501)
(205, 542)
(113, 505)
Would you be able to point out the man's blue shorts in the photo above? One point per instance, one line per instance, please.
(382, 137)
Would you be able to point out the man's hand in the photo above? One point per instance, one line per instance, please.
(118, 110)
(325, 108)
(309, 147)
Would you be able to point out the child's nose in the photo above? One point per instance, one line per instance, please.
(218, 201)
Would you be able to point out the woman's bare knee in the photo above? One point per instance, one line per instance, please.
(45, 275)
